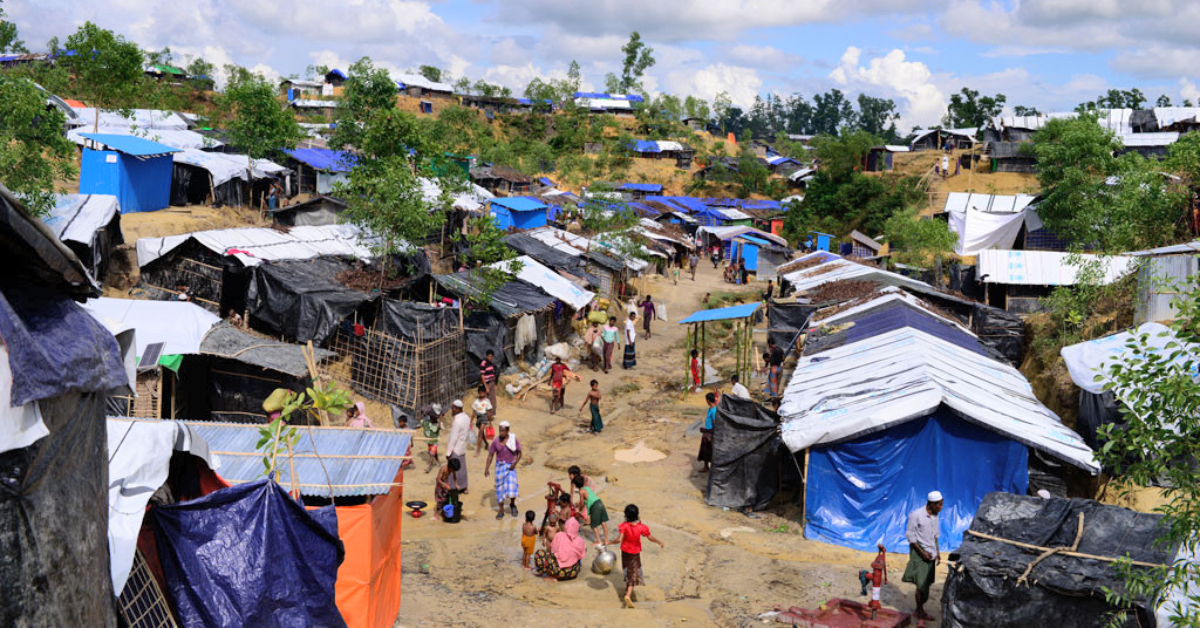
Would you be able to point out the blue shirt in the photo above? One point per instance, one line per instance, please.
(709, 418)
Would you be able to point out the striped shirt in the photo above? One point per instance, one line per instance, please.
(487, 371)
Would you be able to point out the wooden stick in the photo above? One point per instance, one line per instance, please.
(314, 455)
(1071, 553)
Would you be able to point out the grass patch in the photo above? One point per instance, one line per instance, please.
(625, 389)
(726, 298)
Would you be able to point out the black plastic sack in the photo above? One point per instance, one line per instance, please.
(746, 455)
(54, 566)
(249, 555)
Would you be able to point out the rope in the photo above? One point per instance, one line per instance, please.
(1062, 551)
(1024, 577)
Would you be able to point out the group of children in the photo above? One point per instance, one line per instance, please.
(563, 548)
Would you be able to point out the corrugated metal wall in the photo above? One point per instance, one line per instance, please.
(1159, 281)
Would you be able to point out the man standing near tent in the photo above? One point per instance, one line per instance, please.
(775, 359)
(507, 451)
(649, 313)
(456, 444)
(923, 553)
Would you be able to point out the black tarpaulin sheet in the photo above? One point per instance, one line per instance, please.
(414, 264)
(54, 347)
(1095, 411)
(249, 555)
(746, 455)
(303, 299)
(983, 590)
(1002, 330)
(510, 299)
(787, 322)
(550, 256)
(227, 341)
(32, 255)
(416, 322)
(485, 332)
(54, 567)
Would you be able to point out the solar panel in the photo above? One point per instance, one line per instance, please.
(150, 357)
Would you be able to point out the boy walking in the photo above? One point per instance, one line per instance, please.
(593, 399)
(529, 533)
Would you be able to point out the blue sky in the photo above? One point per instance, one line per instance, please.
(1050, 54)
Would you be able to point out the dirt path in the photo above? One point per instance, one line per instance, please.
(718, 568)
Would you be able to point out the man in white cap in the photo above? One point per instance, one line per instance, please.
(507, 451)
(456, 444)
(923, 553)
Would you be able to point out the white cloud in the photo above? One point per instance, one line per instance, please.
(1160, 61)
(765, 57)
(508, 52)
(1189, 91)
(892, 76)
(742, 84)
(517, 77)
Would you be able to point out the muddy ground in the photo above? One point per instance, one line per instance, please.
(718, 568)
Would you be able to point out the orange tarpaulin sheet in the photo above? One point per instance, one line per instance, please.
(368, 581)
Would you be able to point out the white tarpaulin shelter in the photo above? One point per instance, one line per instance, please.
(179, 324)
(726, 233)
(181, 139)
(416, 80)
(989, 221)
(552, 283)
(576, 245)
(905, 374)
(77, 217)
(471, 201)
(139, 461)
(1088, 359)
(145, 119)
(840, 269)
(254, 245)
(226, 166)
(1044, 268)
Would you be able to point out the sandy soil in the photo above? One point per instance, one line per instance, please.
(981, 179)
(718, 568)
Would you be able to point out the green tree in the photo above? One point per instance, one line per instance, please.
(35, 151)
(696, 108)
(431, 72)
(541, 94)
(107, 68)
(8, 35)
(1094, 199)
(199, 67)
(878, 116)
(316, 71)
(160, 57)
(1157, 445)
(490, 260)
(752, 175)
(385, 198)
(721, 107)
(638, 58)
(1022, 110)
(917, 241)
(255, 120)
(367, 89)
(832, 112)
(462, 86)
(1163, 101)
(968, 109)
(1115, 99)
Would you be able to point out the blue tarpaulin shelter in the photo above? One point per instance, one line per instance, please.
(324, 159)
(740, 317)
(722, 313)
(249, 555)
(653, 188)
(135, 170)
(893, 400)
(519, 212)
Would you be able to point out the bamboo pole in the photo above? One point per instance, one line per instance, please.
(703, 353)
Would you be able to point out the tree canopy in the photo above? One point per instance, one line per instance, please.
(107, 68)
(8, 35)
(639, 57)
(255, 120)
(967, 109)
(35, 151)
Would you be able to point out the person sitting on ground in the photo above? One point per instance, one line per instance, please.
(446, 481)
(484, 411)
(565, 558)
(738, 390)
(356, 416)
(593, 508)
(234, 318)
(528, 538)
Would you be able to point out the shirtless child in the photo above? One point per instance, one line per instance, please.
(593, 399)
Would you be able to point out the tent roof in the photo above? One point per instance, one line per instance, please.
(417, 80)
(129, 144)
(510, 299)
(175, 138)
(840, 269)
(726, 233)
(904, 374)
(1087, 360)
(179, 324)
(520, 203)
(968, 133)
(324, 159)
(45, 260)
(143, 119)
(253, 245)
(226, 166)
(355, 461)
(77, 217)
(722, 313)
(1187, 248)
(1043, 268)
(576, 246)
(641, 187)
(989, 221)
(883, 315)
(550, 282)
(226, 341)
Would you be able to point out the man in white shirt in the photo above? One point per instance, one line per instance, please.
(923, 553)
(630, 359)
(456, 445)
(738, 390)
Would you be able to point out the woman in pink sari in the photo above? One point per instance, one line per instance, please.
(565, 557)
(356, 416)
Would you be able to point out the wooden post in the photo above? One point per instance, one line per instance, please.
(703, 353)
(804, 495)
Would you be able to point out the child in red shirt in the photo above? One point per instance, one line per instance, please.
(630, 534)
(696, 370)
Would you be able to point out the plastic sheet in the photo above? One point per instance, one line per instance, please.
(303, 299)
(249, 555)
(54, 565)
(862, 491)
(416, 322)
(485, 332)
(984, 591)
(787, 322)
(746, 455)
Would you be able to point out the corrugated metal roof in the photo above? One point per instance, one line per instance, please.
(1043, 268)
(722, 313)
(1187, 248)
(129, 144)
(520, 203)
(354, 461)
